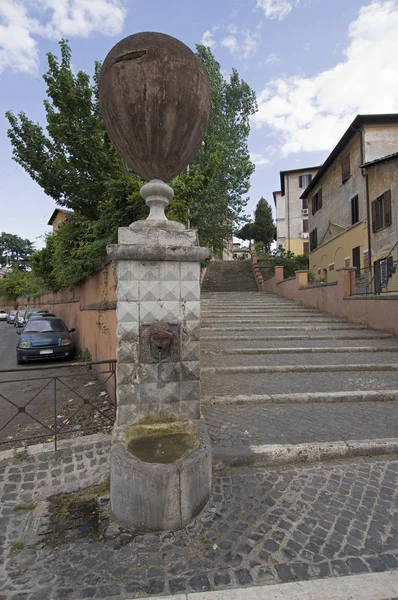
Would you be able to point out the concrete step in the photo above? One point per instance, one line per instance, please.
(338, 356)
(308, 344)
(258, 424)
(225, 321)
(300, 368)
(345, 326)
(232, 384)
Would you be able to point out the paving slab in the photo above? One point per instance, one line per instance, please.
(261, 527)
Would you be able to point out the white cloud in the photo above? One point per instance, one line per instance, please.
(231, 43)
(259, 159)
(246, 47)
(310, 114)
(272, 58)
(232, 29)
(275, 9)
(22, 21)
(208, 39)
(18, 50)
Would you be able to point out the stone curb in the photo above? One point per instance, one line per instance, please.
(301, 368)
(286, 454)
(311, 350)
(305, 397)
(69, 444)
(370, 586)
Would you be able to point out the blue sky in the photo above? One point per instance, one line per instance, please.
(314, 65)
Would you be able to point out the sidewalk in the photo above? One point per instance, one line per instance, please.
(380, 586)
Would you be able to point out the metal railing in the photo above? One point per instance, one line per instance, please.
(381, 279)
(98, 403)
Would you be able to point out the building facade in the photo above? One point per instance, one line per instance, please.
(58, 217)
(292, 211)
(340, 199)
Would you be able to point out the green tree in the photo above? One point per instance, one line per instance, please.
(74, 162)
(17, 283)
(262, 229)
(15, 250)
(264, 224)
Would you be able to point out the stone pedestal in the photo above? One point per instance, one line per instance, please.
(158, 372)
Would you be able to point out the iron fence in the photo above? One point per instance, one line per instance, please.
(91, 408)
(381, 279)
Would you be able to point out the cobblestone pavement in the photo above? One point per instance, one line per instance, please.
(244, 425)
(260, 527)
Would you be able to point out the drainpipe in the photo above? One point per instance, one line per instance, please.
(368, 216)
(288, 212)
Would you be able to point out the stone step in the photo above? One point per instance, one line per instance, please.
(260, 424)
(205, 329)
(275, 336)
(301, 357)
(272, 455)
(309, 344)
(300, 368)
(233, 384)
(225, 321)
(304, 398)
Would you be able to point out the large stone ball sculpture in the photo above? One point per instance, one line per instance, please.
(155, 101)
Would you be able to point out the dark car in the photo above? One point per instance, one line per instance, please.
(32, 311)
(11, 316)
(45, 337)
(35, 315)
(18, 320)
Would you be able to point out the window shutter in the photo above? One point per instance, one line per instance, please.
(315, 237)
(305, 202)
(387, 208)
(374, 228)
(320, 198)
(390, 266)
(309, 179)
(300, 181)
(345, 168)
(313, 205)
(305, 225)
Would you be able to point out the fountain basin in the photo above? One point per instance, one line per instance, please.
(160, 474)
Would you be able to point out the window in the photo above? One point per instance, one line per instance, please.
(356, 260)
(304, 181)
(381, 212)
(345, 168)
(317, 201)
(305, 226)
(313, 239)
(354, 210)
(306, 248)
(305, 203)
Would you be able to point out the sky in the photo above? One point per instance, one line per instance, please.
(314, 65)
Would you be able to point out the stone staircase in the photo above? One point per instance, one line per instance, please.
(284, 383)
(229, 276)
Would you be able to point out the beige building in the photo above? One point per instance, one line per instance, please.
(58, 217)
(341, 194)
(292, 211)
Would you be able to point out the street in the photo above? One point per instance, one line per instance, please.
(33, 387)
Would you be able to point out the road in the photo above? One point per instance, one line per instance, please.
(33, 387)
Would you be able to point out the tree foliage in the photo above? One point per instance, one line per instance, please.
(262, 229)
(74, 162)
(18, 283)
(15, 251)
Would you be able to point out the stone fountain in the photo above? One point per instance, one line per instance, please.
(155, 101)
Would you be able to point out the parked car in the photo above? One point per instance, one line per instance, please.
(32, 311)
(35, 315)
(3, 315)
(45, 337)
(18, 321)
(11, 317)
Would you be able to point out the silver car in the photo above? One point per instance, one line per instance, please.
(3, 315)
